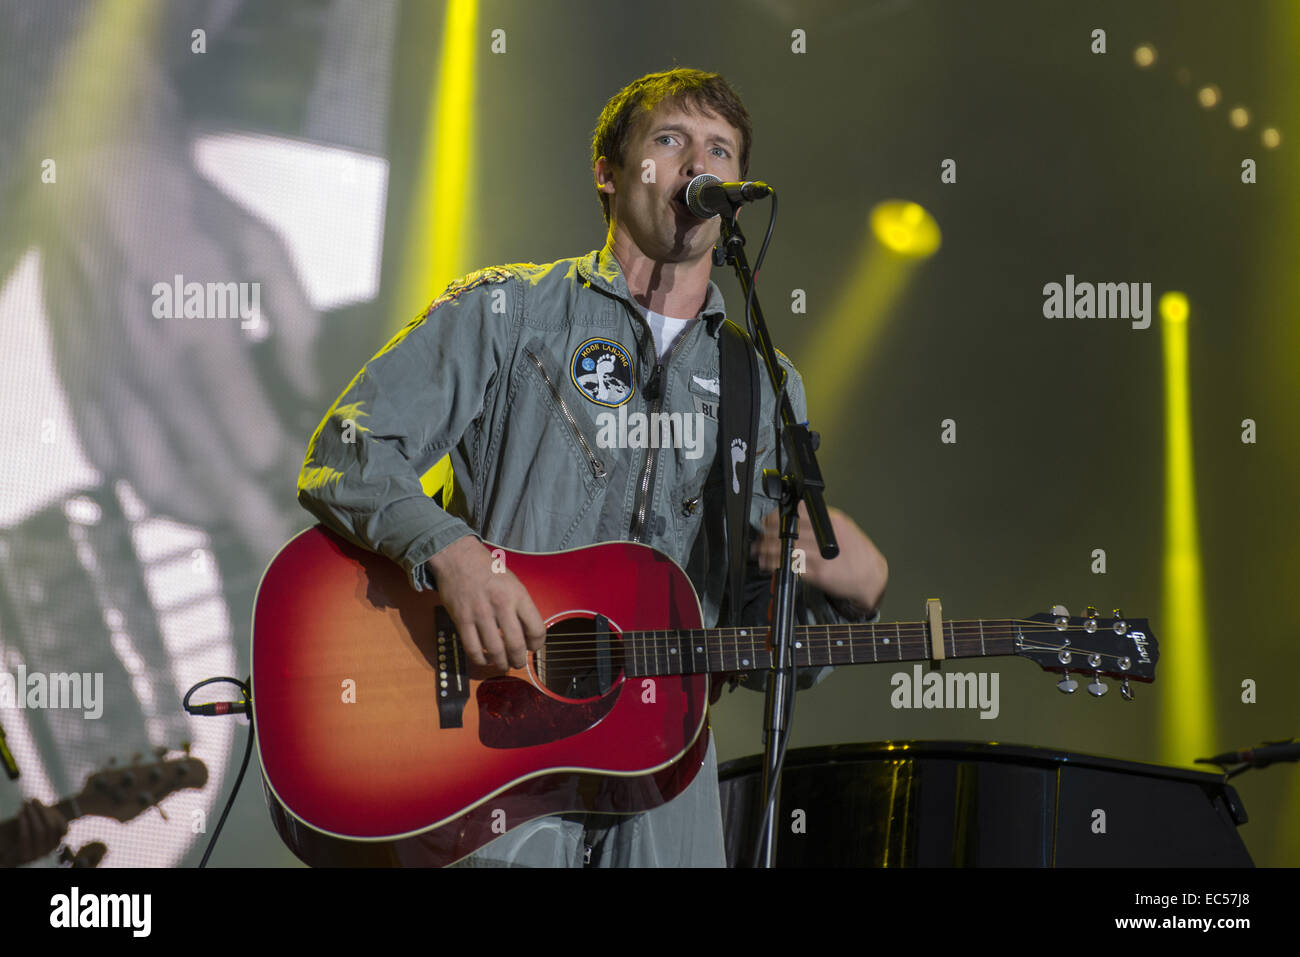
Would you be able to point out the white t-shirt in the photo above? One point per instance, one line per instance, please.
(666, 329)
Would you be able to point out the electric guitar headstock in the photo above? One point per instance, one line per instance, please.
(122, 792)
(1091, 645)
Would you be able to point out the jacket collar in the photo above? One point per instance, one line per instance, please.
(601, 269)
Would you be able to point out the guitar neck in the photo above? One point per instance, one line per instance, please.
(746, 649)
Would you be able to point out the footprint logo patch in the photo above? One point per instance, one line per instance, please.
(602, 371)
(738, 450)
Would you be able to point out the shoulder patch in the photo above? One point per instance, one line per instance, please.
(475, 279)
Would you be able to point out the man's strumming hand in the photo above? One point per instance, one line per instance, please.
(494, 614)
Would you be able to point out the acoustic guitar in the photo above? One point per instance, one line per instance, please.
(381, 745)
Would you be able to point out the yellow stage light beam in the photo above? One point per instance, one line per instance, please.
(440, 478)
(1188, 721)
(1278, 292)
(439, 232)
(84, 110)
(902, 235)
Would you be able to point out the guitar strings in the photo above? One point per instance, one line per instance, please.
(857, 633)
(618, 667)
(558, 655)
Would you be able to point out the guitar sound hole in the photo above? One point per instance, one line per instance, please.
(583, 658)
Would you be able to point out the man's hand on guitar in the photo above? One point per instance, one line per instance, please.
(40, 829)
(494, 615)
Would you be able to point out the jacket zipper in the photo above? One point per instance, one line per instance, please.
(597, 467)
(652, 453)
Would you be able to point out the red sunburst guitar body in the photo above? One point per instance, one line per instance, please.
(379, 745)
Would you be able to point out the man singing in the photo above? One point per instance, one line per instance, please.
(508, 372)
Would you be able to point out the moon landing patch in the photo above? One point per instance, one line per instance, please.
(601, 369)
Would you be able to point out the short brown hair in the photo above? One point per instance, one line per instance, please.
(693, 89)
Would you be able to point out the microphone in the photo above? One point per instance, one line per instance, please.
(1259, 757)
(707, 196)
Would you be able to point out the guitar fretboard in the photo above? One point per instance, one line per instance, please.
(746, 649)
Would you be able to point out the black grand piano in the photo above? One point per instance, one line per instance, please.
(966, 804)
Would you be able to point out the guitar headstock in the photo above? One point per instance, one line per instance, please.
(122, 792)
(1092, 646)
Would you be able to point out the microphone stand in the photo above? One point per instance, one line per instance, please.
(802, 481)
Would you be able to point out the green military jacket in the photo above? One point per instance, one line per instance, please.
(531, 377)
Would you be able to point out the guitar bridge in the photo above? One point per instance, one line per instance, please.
(453, 680)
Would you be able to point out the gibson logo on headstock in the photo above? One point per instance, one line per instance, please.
(1140, 642)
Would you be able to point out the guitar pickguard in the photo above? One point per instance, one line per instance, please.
(515, 714)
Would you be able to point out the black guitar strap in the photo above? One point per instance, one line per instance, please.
(737, 435)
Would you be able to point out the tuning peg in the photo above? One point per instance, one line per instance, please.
(148, 800)
(1067, 685)
(1061, 614)
(1061, 611)
(1090, 625)
(1096, 688)
(1125, 690)
(1120, 626)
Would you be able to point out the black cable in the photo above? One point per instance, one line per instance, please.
(758, 265)
(752, 328)
(241, 707)
(209, 709)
